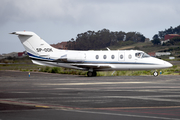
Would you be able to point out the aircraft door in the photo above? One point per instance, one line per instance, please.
(121, 56)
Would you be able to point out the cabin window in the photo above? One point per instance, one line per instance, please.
(97, 56)
(112, 56)
(121, 56)
(130, 56)
(104, 56)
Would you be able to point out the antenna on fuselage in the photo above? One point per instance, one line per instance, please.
(108, 49)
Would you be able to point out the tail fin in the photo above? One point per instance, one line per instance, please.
(33, 44)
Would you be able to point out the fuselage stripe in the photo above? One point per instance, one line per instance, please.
(34, 57)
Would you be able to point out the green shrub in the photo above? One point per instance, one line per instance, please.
(56, 70)
(47, 69)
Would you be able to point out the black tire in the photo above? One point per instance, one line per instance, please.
(94, 73)
(89, 74)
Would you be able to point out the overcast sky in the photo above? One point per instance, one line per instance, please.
(60, 20)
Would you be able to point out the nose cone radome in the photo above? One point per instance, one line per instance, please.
(167, 64)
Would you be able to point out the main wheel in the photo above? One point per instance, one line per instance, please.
(155, 74)
(89, 74)
(94, 73)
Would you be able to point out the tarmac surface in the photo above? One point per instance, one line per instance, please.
(44, 96)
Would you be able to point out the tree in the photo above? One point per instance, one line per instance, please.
(170, 30)
(156, 41)
(155, 37)
(103, 38)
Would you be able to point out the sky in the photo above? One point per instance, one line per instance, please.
(60, 20)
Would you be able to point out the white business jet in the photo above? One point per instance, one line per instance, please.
(42, 53)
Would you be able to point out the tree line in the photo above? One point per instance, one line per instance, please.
(161, 34)
(103, 38)
(170, 30)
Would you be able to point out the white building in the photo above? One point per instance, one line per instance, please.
(162, 53)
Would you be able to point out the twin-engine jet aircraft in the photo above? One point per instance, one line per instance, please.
(42, 53)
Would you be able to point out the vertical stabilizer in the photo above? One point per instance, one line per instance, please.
(33, 44)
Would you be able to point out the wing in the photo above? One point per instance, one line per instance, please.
(97, 67)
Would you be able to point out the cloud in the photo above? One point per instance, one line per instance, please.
(57, 20)
(80, 12)
(125, 15)
(29, 10)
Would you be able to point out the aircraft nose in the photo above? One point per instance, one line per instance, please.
(168, 64)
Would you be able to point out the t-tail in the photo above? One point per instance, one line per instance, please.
(36, 47)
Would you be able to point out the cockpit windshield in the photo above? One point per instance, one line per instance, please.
(145, 55)
(141, 55)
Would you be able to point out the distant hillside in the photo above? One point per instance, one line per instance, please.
(169, 37)
(170, 30)
(103, 38)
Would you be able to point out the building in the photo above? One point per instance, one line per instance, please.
(153, 54)
(170, 36)
(12, 54)
(22, 54)
(147, 40)
(164, 41)
(162, 53)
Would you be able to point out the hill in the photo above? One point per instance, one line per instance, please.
(149, 47)
(92, 40)
(101, 39)
(170, 30)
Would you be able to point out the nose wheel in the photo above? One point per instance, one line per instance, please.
(91, 74)
(155, 73)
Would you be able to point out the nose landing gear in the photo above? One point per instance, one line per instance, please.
(155, 73)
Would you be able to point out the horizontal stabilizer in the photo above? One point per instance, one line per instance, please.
(24, 33)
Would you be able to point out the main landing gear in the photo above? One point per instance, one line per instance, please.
(91, 74)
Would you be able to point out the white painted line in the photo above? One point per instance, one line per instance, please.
(93, 83)
(20, 92)
(144, 98)
(127, 115)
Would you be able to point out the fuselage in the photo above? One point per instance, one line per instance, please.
(106, 60)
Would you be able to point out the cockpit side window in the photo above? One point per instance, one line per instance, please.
(141, 55)
(138, 55)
